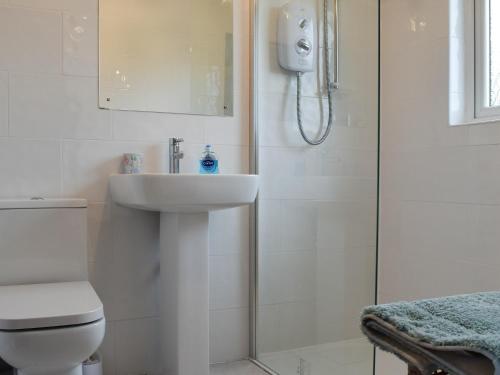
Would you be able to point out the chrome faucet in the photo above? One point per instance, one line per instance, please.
(174, 154)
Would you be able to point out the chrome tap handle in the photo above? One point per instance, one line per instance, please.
(174, 154)
(174, 142)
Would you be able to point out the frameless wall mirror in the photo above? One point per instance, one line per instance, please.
(166, 56)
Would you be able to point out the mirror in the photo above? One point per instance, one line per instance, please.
(166, 56)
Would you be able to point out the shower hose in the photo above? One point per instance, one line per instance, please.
(329, 85)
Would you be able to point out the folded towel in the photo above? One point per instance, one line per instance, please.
(459, 334)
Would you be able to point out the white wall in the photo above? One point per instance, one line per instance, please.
(317, 219)
(440, 201)
(54, 142)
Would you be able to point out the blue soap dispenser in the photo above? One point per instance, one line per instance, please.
(209, 164)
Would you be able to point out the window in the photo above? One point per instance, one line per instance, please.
(487, 59)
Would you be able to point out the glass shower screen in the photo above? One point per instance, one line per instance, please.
(316, 216)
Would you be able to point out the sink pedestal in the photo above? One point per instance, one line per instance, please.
(184, 289)
(184, 202)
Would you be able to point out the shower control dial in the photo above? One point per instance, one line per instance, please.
(303, 47)
(304, 23)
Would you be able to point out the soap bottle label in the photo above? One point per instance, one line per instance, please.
(209, 166)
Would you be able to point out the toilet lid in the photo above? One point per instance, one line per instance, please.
(48, 305)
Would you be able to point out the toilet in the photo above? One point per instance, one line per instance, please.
(51, 319)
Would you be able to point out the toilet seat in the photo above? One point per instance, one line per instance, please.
(42, 306)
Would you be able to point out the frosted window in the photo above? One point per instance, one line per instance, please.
(494, 53)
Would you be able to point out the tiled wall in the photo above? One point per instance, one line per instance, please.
(317, 219)
(54, 142)
(440, 200)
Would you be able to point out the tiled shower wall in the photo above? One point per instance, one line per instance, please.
(440, 201)
(317, 219)
(55, 142)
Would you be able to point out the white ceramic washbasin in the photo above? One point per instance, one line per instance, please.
(183, 193)
(184, 202)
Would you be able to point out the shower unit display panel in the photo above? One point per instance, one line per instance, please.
(316, 217)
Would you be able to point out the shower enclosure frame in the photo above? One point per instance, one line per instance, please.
(254, 169)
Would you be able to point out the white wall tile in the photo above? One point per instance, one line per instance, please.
(31, 169)
(229, 231)
(228, 130)
(449, 165)
(88, 164)
(33, 40)
(289, 161)
(100, 233)
(232, 159)
(414, 23)
(488, 162)
(148, 126)
(344, 286)
(80, 43)
(488, 237)
(59, 107)
(319, 188)
(229, 335)
(277, 115)
(478, 276)
(128, 284)
(107, 350)
(388, 364)
(484, 134)
(443, 277)
(268, 320)
(4, 103)
(299, 222)
(347, 224)
(137, 346)
(287, 326)
(437, 228)
(287, 277)
(229, 281)
(269, 224)
(361, 138)
(353, 163)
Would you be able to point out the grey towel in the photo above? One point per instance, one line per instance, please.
(460, 334)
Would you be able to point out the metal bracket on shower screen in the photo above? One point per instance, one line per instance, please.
(336, 44)
(303, 368)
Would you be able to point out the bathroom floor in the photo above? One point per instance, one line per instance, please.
(350, 357)
(236, 368)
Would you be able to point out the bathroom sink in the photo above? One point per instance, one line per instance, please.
(184, 202)
(183, 193)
